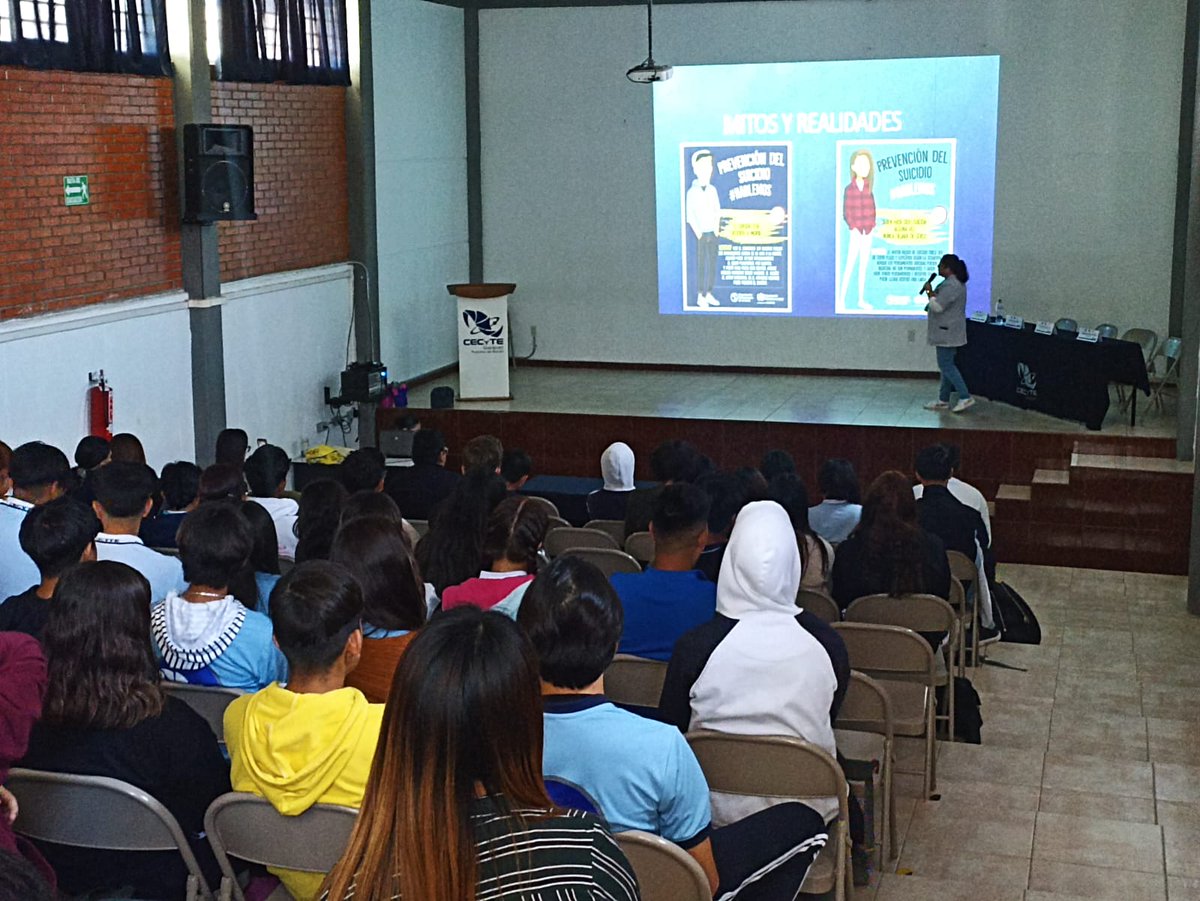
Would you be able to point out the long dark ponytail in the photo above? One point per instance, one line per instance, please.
(957, 266)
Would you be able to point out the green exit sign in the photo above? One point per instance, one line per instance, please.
(75, 190)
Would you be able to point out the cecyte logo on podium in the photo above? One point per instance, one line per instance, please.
(482, 343)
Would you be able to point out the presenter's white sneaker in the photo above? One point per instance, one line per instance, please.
(965, 404)
(937, 405)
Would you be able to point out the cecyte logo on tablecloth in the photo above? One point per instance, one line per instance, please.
(1026, 381)
(480, 323)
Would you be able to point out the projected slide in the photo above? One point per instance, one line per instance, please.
(823, 189)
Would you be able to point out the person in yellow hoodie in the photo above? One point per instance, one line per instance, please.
(311, 741)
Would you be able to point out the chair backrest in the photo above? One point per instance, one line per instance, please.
(636, 681)
(421, 525)
(551, 507)
(919, 612)
(819, 605)
(607, 560)
(665, 872)
(866, 707)
(209, 701)
(958, 596)
(780, 766)
(97, 812)
(169, 551)
(1146, 338)
(884, 652)
(962, 567)
(614, 527)
(1107, 330)
(568, 538)
(247, 827)
(1066, 324)
(566, 793)
(555, 523)
(640, 546)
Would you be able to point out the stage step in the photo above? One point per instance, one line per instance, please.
(1132, 463)
(1051, 477)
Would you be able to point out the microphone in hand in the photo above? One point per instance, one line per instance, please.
(928, 286)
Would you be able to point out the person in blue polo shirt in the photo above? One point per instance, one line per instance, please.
(671, 596)
(642, 773)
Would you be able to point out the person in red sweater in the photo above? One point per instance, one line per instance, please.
(510, 556)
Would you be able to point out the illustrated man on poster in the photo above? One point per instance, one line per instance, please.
(702, 209)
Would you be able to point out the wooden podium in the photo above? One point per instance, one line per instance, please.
(483, 340)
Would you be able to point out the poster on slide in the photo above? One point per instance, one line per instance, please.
(736, 233)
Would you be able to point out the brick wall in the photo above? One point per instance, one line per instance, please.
(115, 129)
(299, 174)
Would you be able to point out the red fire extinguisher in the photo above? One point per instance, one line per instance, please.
(100, 407)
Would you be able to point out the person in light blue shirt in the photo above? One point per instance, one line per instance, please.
(124, 495)
(204, 635)
(836, 516)
(264, 558)
(39, 473)
(671, 596)
(641, 772)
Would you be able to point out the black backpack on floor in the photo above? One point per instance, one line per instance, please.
(1014, 618)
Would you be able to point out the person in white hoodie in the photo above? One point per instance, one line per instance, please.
(616, 468)
(266, 473)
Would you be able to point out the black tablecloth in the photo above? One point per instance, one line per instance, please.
(1056, 374)
(568, 493)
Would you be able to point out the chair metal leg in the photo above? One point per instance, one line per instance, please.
(889, 804)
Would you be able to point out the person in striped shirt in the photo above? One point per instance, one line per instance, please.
(455, 808)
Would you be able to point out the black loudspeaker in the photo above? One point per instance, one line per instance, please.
(441, 398)
(218, 173)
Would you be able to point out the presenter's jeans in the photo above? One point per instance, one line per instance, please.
(952, 379)
(706, 262)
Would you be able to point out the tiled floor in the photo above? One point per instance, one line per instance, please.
(1087, 783)
(775, 398)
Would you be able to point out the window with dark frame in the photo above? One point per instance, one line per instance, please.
(123, 36)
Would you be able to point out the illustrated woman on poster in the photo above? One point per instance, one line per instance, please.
(858, 209)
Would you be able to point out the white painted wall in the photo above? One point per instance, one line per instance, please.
(421, 180)
(143, 346)
(1089, 118)
(285, 340)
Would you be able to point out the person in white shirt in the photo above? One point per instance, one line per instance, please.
(266, 473)
(963, 493)
(702, 209)
(38, 472)
(124, 497)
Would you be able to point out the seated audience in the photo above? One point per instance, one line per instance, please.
(23, 675)
(514, 535)
(179, 484)
(91, 452)
(266, 472)
(963, 492)
(232, 447)
(816, 554)
(776, 463)
(363, 470)
(452, 550)
(516, 467)
(222, 482)
(672, 461)
(671, 596)
(38, 473)
(960, 527)
(320, 511)
(368, 504)
(726, 497)
(312, 741)
(20, 880)
(56, 536)
(419, 488)
(837, 515)
(754, 486)
(482, 452)
(889, 552)
(461, 746)
(105, 714)
(376, 554)
(616, 468)
(124, 495)
(205, 635)
(5, 462)
(642, 773)
(760, 665)
(257, 580)
(126, 448)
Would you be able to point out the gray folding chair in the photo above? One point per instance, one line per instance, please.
(866, 742)
(1171, 350)
(209, 701)
(247, 827)
(1107, 330)
(556, 522)
(819, 605)
(607, 560)
(636, 681)
(665, 872)
(421, 525)
(614, 527)
(101, 813)
(783, 766)
(569, 538)
(962, 570)
(921, 613)
(1147, 340)
(551, 507)
(903, 663)
(640, 546)
(1066, 325)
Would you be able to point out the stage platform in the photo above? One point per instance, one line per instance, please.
(1062, 495)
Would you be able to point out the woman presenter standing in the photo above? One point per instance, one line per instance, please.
(948, 330)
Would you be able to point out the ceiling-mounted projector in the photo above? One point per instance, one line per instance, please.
(648, 72)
